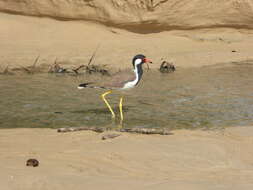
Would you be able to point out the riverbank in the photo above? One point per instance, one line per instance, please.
(72, 43)
(80, 160)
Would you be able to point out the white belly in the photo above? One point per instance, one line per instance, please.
(129, 85)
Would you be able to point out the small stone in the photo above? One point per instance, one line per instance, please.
(110, 136)
(32, 162)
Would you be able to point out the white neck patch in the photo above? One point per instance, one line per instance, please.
(131, 84)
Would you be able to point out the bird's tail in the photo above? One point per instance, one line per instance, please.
(88, 85)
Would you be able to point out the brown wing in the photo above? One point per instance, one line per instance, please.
(120, 78)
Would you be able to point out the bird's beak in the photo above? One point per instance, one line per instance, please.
(147, 60)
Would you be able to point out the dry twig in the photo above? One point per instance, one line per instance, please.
(31, 69)
(56, 68)
(6, 71)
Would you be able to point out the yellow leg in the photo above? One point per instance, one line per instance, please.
(106, 102)
(120, 109)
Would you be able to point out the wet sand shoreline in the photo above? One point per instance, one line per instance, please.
(185, 160)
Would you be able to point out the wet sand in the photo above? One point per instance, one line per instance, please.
(221, 159)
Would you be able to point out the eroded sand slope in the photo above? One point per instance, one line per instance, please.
(135, 14)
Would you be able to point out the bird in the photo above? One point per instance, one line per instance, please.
(121, 81)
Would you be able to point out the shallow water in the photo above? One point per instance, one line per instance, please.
(207, 97)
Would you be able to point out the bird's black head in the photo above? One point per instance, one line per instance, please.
(139, 60)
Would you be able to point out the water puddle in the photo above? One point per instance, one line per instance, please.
(207, 97)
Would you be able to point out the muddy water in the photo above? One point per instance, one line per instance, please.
(207, 97)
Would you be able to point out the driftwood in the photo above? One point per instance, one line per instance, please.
(127, 130)
(147, 131)
(78, 68)
(72, 129)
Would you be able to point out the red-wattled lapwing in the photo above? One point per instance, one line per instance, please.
(121, 81)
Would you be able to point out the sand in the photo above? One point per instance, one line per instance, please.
(142, 15)
(73, 42)
(189, 160)
(186, 159)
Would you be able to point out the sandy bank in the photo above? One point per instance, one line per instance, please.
(72, 43)
(141, 15)
(81, 160)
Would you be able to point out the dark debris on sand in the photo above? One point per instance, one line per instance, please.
(167, 67)
(32, 162)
